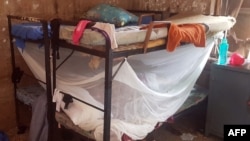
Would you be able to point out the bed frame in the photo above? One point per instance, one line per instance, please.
(108, 54)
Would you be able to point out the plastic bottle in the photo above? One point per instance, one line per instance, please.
(223, 49)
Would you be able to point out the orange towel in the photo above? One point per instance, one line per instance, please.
(190, 33)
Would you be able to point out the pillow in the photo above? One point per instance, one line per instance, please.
(111, 14)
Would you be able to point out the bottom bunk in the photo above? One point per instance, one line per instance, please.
(34, 58)
(146, 89)
(197, 96)
(34, 93)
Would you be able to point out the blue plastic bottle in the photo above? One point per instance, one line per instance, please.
(223, 49)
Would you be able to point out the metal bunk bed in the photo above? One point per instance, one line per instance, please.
(108, 54)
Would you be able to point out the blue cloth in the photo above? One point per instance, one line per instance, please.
(24, 31)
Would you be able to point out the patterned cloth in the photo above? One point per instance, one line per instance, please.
(28, 95)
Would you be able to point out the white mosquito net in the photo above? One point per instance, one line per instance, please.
(147, 89)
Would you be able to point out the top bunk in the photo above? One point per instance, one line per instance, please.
(98, 37)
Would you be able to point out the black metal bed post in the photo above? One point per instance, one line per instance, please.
(50, 109)
(55, 24)
(108, 55)
(107, 88)
(13, 63)
(54, 46)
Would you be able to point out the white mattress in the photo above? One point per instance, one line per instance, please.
(124, 35)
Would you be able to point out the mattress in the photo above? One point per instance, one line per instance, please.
(132, 34)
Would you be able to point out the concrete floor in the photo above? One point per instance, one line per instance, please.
(189, 126)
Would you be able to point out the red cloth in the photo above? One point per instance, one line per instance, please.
(78, 32)
(126, 138)
(190, 33)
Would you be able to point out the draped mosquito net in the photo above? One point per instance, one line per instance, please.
(147, 89)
